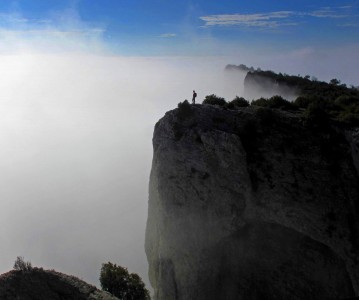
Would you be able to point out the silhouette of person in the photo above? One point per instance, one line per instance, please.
(194, 97)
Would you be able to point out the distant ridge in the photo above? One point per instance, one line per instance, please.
(333, 99)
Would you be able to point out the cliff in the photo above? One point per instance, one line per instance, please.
(252, 204)
(267, 83)
(39, 284)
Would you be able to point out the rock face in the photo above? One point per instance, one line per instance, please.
(257, 85)
(252, 204)
(39, 284)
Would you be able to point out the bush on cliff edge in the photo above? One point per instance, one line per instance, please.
(214, 100)
(184, 110)
(120, 283)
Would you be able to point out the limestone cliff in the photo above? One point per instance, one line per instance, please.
(252, 204)
(266, 84)
(39, 284)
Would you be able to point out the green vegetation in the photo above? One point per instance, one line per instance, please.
(275, 102)
(184, 110)
(120, 283)
(214, 100)
(317, 102)
(22, 265)
(238, 102)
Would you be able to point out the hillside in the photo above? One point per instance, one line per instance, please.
(40, 284)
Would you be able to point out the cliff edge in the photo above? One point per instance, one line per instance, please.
(252, 204)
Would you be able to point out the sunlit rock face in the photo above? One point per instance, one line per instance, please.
(252, 204)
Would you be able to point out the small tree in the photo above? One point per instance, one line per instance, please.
(184, 110)
(238, 102)
(22, 265)
(117, 281)
(214, 100)
(334, 81)
(260, 102)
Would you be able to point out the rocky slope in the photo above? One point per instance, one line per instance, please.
(39, 284)
(252, 204)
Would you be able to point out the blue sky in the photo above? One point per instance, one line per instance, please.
(182, 27)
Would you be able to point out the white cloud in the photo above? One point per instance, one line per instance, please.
(61, 31)
(326, 12)
(349, 25)
(168, 35)
(12, 19)
(271, 19)
(250, 20)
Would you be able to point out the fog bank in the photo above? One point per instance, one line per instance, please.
(75, 155)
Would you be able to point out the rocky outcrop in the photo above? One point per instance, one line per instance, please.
(39, 284)
(258, 85)
(251, 204)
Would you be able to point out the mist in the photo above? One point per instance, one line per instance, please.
(76, 151)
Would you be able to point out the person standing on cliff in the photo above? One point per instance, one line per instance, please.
(194, 97)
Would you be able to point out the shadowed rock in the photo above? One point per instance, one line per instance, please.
(251, 204)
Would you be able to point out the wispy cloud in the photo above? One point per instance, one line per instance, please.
(345, 7)
(12, 19)
(168, 35)
(326, 12)
(250, 20)
(349, 25)
(62, 30)
(272, 19)
(51, 32)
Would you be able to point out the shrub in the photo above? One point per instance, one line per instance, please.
(345, 100)
(275, 102)
(21, 265)
(238, 102)
(315, 115)
(280, 102)
(303, 101)
(349, 118)
(260, 102)
(184, 110)
(119, 282)
(214, 100)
